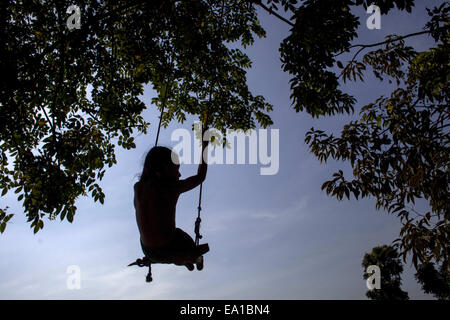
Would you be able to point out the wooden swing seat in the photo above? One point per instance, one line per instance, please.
(182, 259)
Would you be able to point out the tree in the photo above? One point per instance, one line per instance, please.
(399, 148)
(435, 282)
(391, 268)
(55, 142)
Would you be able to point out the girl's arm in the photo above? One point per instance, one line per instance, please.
(192, 182)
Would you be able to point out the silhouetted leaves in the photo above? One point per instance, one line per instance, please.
(399, 149)
(391, 268)
(387, 5)
(69, 97)
(321, 29)
(436, 282)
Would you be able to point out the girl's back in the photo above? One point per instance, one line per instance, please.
(155, 212)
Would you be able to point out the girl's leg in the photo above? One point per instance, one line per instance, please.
(188, 244)
(183, 240)
(184, 246)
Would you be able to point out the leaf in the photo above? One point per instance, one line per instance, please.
(347, 192)
(325, 184)
(63, 213)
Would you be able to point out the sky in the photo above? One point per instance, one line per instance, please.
(271, 236)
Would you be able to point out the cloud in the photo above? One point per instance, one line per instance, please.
(256, 227)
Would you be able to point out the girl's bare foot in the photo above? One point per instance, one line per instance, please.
(190, 266)
(199, 263)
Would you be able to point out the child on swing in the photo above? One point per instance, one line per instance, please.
(155, 199)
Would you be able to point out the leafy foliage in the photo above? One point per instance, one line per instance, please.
(307, 53)
(391, 268)
(436, 282)
(4, 218)
(386, 5)
(399, 148)
(56, 142)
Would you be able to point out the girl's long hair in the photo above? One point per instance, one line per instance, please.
(154, 162)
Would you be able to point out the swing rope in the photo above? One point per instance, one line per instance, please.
(164, 101)
(161, 116)
(198, 221)
(160, 120)
(198, 236)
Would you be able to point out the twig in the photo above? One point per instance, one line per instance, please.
(415, 212)
(364, 46)
(48, 119)
(270, 11)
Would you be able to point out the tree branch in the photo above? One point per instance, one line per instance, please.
(415, 212)
(270, 11)
(52, 125)
(364, 46)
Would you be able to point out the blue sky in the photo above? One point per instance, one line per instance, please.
(271, 237)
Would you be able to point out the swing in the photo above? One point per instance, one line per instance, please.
(188, 257)
(200, 249)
